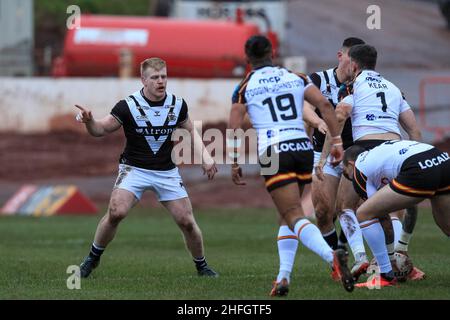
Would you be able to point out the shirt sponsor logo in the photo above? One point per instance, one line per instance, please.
(429, 163)
(141, 117)
(293, 146)
(275, 79)
(154, 131)
(172, 116)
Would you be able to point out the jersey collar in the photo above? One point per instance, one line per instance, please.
(154, 103)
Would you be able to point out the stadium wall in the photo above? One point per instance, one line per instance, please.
(39, 105)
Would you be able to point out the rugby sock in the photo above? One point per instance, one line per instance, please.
(331, 238)
(287, 248)
(402, 244)
(342, 240)
(397, 224)
(374, 235)
(200, 263)
(96, 251)
(311, 237)
(390, 250)
(350, 227)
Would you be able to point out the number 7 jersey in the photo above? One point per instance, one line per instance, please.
(274, 100)
(376, 105)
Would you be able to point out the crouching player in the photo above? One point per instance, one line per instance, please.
(393, 176)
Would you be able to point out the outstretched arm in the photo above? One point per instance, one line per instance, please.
(311, 118)
(97, 128)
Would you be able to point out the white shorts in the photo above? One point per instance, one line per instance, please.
(167, 185)
(328, 168)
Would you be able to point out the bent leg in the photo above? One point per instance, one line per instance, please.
(378, 206)
(323, 195)
(346, 203)
(181, 212)
(287, 200)
(440, 206)
(119, 205)
(383, 202)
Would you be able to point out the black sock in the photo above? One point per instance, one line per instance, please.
(342, 237)
(388, 275)
(332, 239)
(96, 251)
(200, 263)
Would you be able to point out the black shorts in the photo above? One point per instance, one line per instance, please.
(424, 175)
(295, 163)
(369, 144)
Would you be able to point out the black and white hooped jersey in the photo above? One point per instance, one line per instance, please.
(148, 127)
(274, 100)
(383, 163)
(329, 85)
(376, 105)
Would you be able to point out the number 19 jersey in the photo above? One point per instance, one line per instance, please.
(274, 100)
(376, 105)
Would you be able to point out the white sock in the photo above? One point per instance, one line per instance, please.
(402, 244)
(374, 235)
(311, 237)
(398, 227)
(287, 248)
(351, 229)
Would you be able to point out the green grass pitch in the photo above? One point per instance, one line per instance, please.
(148, 259)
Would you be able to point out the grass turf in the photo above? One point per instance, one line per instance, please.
(148, 260)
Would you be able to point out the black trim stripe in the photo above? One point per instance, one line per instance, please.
(242, 87)
(141, 111)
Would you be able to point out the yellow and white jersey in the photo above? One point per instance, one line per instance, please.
(274, 100)
(376, 105)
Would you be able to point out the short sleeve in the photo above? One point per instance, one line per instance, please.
(120, 111)
(234, 97)
(183, 112)
(404, 105)
(348, 100)
(315, 79)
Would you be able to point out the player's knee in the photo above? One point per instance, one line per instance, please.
(117, 213)
(187, 224)
(185, 220)
(446, 229)
(323, 216)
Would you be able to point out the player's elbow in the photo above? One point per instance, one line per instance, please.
(415, 134)
(341, 113)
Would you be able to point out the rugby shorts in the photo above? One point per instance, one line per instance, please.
(328, 168)
(167, 184)
(294, 163)
(424, 175)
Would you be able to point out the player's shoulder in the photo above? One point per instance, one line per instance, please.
(123, 104)
(300, 75)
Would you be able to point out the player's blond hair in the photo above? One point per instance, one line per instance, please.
(154, 63)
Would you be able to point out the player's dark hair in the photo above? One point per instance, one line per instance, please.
(258, 49)
(352, 41)
(352, 153)
(364, 55)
